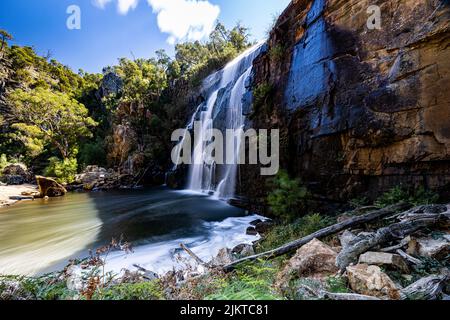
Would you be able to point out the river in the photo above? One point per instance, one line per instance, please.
(40, 236)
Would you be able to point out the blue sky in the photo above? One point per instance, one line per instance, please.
(125, 28)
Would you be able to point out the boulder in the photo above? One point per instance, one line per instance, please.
(315, 260)
(251, 231)
(49, 187)
(429, 247)
(384, 259)
(371, 281)
(264, 226)
(224, 257)
(243, 250)
(12, 180)
(16, 174)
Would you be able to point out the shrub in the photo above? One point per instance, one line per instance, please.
(251, 281)
(262, 95)
(398, 194)
(284, 233)
(64, 171)
(288, 198)
(131, 291)
(3, 162)
(277, 53)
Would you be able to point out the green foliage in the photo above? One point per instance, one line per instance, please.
(288, 198)
(131, 291)
(3, 162)
(42, 116)
(337, 285)
(197, 60)
(262, 98)
(92, 153)
(277, 53)
(286, 232)
(251, 281)
(41, 288)
(63, 170)
(398, 194)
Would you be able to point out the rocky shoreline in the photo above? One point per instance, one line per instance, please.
(10, 194)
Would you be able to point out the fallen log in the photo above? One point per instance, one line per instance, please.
(194, 256)
(409, 258)
(429, 288)
(294, 245)
(348, 296)
(366, 241)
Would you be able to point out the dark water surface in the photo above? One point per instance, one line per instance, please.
(40, 236)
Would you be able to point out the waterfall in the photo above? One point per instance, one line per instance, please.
(222, 110)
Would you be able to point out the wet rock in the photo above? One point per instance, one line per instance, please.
(371, 281)
(264, 226)
(315, 259)
(429, 247)
(49, 187)
(384, 259)
(255, 222)
(251, 231)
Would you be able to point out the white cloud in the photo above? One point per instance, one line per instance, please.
(123, 6)
(185, 19)
(101, 3)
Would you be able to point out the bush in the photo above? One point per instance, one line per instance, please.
(64, 171)
(415, 197)
(284, 233)
(288, 198)
(92, 153)
(3, 162)
(131, 291)
(277, 53)
(251, 281)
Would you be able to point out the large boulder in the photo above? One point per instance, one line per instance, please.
(16, 174)
(371, 281)
(438, 248)
(49, 187)
(315, 260)
(224, 257)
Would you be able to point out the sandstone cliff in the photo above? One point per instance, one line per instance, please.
(360, 110)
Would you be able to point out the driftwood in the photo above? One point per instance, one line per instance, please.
(402, 244)
(407, 257)
(294, 245)
(364, 242)
(429, 288)
(194, 256)
(322, 294)
(348, 296)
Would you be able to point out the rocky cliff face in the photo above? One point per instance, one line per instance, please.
(360, 110)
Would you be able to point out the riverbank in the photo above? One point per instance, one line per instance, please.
(334, 263)
(10, 195)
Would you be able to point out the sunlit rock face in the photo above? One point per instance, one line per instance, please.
(360, 110)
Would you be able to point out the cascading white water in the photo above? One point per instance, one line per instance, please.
(223, 110)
